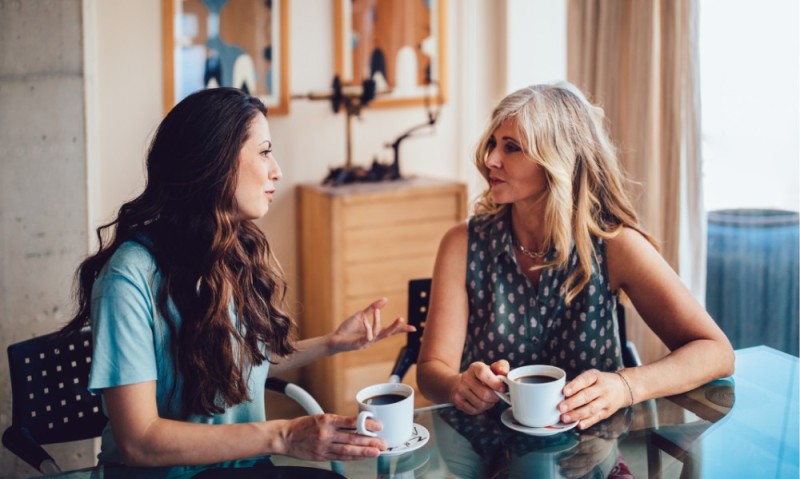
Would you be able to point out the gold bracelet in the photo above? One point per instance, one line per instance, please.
(630, 391)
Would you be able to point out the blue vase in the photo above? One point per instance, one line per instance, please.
(752, 283)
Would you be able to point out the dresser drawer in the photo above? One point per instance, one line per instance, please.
(376, 277)
(408, 210)
(394, 241)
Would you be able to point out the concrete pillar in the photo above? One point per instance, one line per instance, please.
(43, 204)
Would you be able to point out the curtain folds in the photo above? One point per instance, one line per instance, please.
(638, 60)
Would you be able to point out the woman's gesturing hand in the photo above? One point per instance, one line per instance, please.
(473, 392)
(591, 397)
(364, 328)
(329, 437)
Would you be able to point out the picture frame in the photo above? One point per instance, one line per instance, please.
(240, 43)
(402, 45)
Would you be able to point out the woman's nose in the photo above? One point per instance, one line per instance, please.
(275, 173)
(493, 159)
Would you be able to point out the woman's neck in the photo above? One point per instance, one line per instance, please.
(527, 226)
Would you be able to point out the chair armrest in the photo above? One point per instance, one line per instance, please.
(630, 356)
(405, 359)
(300, 395)
(22, 444)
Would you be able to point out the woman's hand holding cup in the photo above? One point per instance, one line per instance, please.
(593, 396)
(473, 392)
(501, 367)
(325, 437)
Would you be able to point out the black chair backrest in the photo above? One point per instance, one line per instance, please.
(49, 379)
(419, 294)
(418, 298)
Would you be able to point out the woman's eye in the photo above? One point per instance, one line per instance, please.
(491, 144)
(511, 148)
(266, 153)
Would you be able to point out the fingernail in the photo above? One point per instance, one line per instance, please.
(567, 418)
(562, 408)
(567, 391)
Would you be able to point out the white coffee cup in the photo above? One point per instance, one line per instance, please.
(534, 404)
(393, 405)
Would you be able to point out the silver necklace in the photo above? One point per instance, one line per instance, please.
(534, 255)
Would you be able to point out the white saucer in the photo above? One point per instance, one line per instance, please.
(419, 437)
(508, 419)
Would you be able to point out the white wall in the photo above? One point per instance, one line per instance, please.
(124, 67)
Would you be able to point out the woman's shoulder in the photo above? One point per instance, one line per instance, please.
(132, 260)
(628, 252)
(457, 234)
(626, 241)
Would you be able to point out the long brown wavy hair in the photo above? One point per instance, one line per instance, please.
(564, 134)
(208, 260)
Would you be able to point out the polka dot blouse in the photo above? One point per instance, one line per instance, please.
(510, 320)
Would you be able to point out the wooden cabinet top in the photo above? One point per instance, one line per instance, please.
(401, 186)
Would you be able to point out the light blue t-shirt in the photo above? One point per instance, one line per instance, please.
(131, 344)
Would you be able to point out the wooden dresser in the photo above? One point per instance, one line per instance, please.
(358, 243)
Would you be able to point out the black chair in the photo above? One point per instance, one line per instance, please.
(49, 396)
(51, 403)
(418, 299)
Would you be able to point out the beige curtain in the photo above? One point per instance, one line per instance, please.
(638, 60)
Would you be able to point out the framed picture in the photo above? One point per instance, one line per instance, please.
(398, 43)
(238, 43)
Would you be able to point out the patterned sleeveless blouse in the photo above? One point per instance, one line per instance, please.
(508, 319)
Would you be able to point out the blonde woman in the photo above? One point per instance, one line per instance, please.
(536, 275)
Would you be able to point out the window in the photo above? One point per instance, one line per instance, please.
(749, 66)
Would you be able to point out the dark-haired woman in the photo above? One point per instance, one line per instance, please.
(185, 301)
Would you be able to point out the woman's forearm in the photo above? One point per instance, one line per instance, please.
(308, 350)
(146, 439)
(684, 369)
(436, 380)
(167, 442)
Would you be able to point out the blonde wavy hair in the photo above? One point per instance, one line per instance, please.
(564, 134)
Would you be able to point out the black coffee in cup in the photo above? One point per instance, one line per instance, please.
(535, 379)
(383, 399)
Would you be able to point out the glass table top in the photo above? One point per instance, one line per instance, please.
(743, 426)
